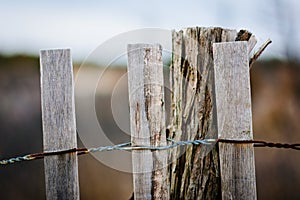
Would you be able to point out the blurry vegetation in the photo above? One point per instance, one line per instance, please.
(18, 61)
(276, 108)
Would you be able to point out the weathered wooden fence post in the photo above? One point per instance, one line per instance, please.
(59, 128)
(195, 170)
(147, 121)
(233, 103)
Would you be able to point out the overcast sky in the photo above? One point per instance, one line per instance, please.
(28, 26)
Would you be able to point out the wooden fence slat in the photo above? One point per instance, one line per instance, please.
(147, 120)
(234, 117)
(59, 128)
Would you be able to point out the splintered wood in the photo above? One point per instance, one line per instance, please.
(210, 98)
(195, 170)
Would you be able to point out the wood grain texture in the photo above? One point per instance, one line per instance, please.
(233, 103)
(194, 172)
(251, 44)
(147, 121)
(58, 120)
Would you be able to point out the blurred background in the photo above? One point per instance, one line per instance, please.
(28, 26)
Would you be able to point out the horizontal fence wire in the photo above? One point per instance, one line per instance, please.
(128, 147)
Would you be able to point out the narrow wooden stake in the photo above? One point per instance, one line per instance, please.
(147, 121)
(59, 128)
(233, 103)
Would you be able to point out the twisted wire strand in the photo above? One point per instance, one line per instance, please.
(260, 143)
(124, 146)
(129, 147)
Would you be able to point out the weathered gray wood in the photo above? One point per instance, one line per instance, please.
(59, 128)
(194, 172)
(244, 35)
(233, 103)
(147, 121)
(251, 43)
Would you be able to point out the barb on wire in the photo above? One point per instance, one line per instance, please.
(129, 147)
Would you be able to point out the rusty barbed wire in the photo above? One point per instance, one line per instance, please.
(129, 147)
(260, 143)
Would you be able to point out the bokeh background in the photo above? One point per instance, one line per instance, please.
(28, 26)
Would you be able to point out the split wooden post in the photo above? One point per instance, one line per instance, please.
(233, 104)
(194, 171)
(147, 121)
(59, 127)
